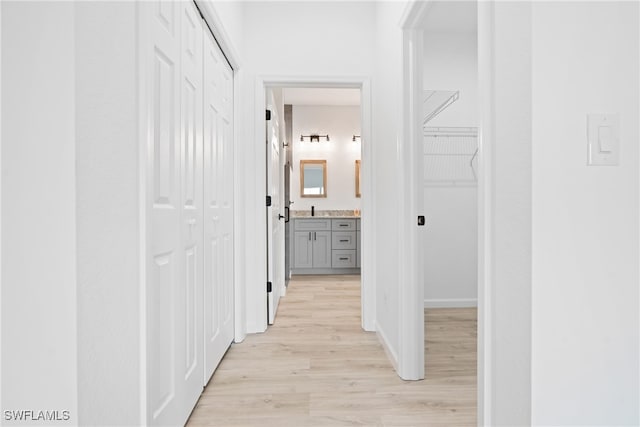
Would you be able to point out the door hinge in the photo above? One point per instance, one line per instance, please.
(421, 220)
(269, 286)
(268, 201)
(268, 114)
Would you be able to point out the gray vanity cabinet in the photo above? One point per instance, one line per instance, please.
(325, 246)
(312, 243)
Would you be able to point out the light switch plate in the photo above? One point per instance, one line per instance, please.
(603, 132)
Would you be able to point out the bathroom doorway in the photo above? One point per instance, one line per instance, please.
(321, 126)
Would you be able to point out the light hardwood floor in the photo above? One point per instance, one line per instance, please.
(316, 367)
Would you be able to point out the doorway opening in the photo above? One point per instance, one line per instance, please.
(443, 127)
(315, 225)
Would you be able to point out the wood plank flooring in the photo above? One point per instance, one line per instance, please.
(316, 367)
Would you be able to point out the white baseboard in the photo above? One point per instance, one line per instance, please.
(450, 303)
(391, 353)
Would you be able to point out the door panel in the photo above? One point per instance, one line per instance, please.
(275, 213)
(189, 299)
(175, 234)
(164, 245)
(218, 205)
(161, 314)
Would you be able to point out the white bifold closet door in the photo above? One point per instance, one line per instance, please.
(189, 170)
(218, 200)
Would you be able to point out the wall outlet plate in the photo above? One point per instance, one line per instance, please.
(603, 139)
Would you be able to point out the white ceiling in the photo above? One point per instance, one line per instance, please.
(452, 16)
(321, 96)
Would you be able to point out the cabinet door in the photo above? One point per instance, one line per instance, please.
(303, 246)
(321, 249)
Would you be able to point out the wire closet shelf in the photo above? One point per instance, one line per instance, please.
(450, 156)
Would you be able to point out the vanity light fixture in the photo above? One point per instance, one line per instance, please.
(314, 137)
(354, 137)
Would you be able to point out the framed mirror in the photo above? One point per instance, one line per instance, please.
(357, 178)
(313, 178)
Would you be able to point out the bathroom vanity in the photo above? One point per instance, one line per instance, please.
(326, 245)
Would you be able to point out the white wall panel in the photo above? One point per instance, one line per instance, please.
(39, 278)
(585, 307)
(108, 225)
(341, 123)
(505, 193)
(387, 107)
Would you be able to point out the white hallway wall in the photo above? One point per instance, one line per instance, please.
(387, 123)
(341, 123)
(505, 341)
(108, 226)
(585, 324)
(451, 235)
(38, 296)
(563, 342)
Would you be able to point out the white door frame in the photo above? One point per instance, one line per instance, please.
(411, 322)
(411, 291)
(368, 273)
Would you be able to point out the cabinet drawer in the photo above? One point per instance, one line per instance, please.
(343, 224)
(312, 224)
(343, 259)
(343, 239)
